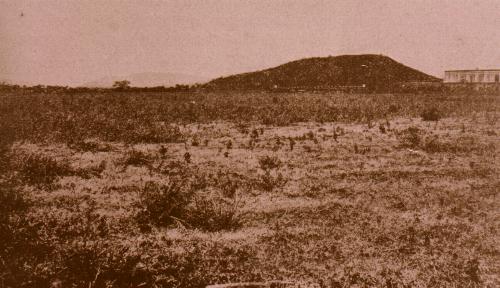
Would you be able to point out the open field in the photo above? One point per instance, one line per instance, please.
(186, 190)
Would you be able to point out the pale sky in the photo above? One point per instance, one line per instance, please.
(72, 42)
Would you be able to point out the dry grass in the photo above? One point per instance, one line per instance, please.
(414, 204)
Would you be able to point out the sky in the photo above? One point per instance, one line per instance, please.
(72, 42)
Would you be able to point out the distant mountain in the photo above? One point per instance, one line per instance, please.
(5, 81)
(20, 83)
(374, 71)
(148, 79)
(10, 82)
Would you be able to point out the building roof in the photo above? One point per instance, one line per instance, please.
(473, 70)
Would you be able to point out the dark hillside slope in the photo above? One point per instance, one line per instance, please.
(376, 72)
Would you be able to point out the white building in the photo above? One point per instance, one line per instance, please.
(472, 76)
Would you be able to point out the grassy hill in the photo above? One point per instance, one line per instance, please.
(376, 72)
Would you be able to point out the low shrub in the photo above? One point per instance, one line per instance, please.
(269, 162)
(164, 204)
(411, 137)
(93, 171)
(174, 168)
(40, 169)
(190, 201)
(212, 213)
(136, 158)
(269, 181)
(431, 114)
(89, 145)
(271, 178)
(227, 183)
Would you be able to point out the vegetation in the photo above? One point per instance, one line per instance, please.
(155, 118)
(121, 85)
(431, 114)
(133, 189)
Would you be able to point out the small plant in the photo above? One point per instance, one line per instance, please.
(292, 143)
(278, 143)
(255, 134)
(163, 151)
(335, 135)
(268, 181)
(381, 127)
(251, 144)
(227, 183)
(310, 135)
(195, 142)
(187, 157)
(307, 148)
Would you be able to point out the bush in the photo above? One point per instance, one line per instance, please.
(411, 137)
(41, 169)
(92, 171)
(267, 163)
(227, 183)
(136, 158)
(269, 181)
(164, 204)
(188, 201)
(89, 145)
(212, 213)
(431, 114)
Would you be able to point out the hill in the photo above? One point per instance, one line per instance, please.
(376, 72)
(148, 79)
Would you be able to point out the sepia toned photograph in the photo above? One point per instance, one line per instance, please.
(249, 143)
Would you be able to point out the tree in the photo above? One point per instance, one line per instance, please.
(121, 85)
